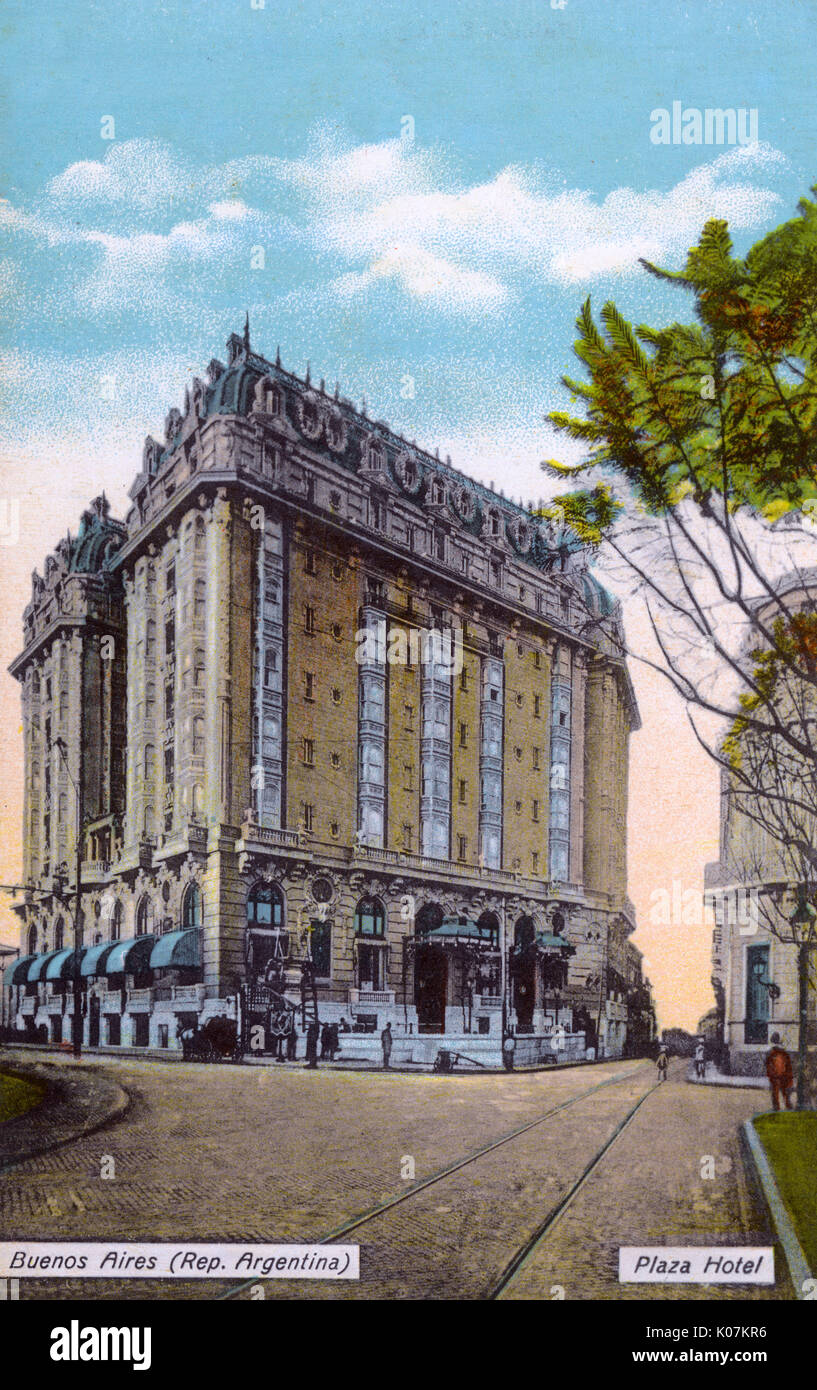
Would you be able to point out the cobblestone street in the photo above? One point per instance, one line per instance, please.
(274, 1154)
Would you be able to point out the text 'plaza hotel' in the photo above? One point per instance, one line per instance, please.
(443, 840)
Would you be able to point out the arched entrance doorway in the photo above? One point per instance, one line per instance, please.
(430, 973)
(524, 973)
(266, 938)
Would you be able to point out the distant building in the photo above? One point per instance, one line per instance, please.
(354, 732)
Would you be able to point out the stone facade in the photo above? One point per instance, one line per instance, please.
(239, 735)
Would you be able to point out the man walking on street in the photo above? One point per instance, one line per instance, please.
(661, 1062)
(780, 1073)
(386, 1040)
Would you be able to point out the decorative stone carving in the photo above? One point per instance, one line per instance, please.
(520, 532)
(463, 502)
(337, 435)
(310, 415)
(408, 472)
(150, 455)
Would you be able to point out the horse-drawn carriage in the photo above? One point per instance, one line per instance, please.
(216, 1041)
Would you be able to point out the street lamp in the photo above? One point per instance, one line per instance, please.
(76, 1027)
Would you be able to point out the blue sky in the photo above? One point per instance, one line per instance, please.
(458, 257)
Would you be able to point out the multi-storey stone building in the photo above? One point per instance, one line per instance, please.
(753, 887)
(335, 700)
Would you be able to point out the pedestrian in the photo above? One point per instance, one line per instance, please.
(312, 1034)
(324, 1042)
(334, 1041)
(661, 1062)
(780, 1073)
(508, 1050)
(386, 1041)
(700, 1058)
(292, 1043)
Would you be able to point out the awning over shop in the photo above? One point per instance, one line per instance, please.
(460, 928)
(17, 972)
(61, 966)
(548, 942)
(93, 962)
(176, 948)
(131, 955)
(37, 968)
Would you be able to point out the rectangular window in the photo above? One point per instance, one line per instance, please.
(168, 767)
(463, 735)
(463, 791)
(309, 620)
(534, 861)
(537, 660)
(408, 711)
(309, 685)
(408, 777)
(321, 943)
(170, 637)
(537, 754)
(464, 678)
(308, 751)
(535, 810)
(462, 846)
(310, 563)
(407, 838)
(169, 700)
(307, 816)
(537, 707)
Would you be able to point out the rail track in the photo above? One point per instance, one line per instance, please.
(519, 1258)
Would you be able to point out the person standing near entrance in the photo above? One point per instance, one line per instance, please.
(780, 1073)
(312, 1034)
(508, 1051)
(386, 1040)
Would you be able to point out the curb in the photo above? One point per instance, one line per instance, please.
(762, 1181)
(74, 1106)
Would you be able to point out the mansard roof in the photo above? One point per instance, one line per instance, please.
(231, 390)
(98, 539)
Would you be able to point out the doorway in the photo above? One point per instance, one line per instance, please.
(430, 985)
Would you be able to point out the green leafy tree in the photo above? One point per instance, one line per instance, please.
(698, 487)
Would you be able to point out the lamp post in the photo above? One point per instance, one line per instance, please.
(76, 1027)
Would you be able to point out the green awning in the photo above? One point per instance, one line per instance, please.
(549, 942)
(36, 970)
(17, 972)
(93, 961)
(132, 955)
(451, 927)
(176, 948)
(61, 966)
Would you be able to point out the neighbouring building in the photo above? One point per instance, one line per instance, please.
(340, 712)
(752, 891)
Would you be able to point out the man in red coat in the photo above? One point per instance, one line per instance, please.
(779, 1072)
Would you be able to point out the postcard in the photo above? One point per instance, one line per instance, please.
(409, 667)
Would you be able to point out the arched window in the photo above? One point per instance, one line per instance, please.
(116, 921)
(144, 916)
(59, 934)
(198, 737)
(428, 918)
(150, 758)
(149, 820)
(32, 941)
(370, 919)
(191, 907)
(197, 798)
(265, 907)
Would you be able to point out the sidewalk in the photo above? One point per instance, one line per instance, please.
(718, 1078)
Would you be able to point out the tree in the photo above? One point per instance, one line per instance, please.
(698, 490)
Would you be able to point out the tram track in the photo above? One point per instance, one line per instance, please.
(515, 1263)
